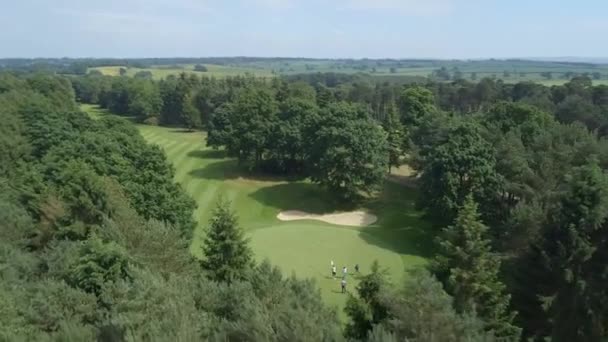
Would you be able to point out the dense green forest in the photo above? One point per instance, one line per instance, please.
(95, 234)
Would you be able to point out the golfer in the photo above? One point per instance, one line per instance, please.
(333, 271)
(343, 285)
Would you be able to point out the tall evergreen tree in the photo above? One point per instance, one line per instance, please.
(470, 271)
(575, 244)
(226, 253)
(396, 137)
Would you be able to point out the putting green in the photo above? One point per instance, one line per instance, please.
(306, 250)
(398, 240)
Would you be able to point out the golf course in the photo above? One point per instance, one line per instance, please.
(398, 239)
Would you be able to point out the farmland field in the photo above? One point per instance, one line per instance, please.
(159, 72)
(510, 71)
(398, 240)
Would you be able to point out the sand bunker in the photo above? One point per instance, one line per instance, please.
(351, 218)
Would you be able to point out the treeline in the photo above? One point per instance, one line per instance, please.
(577, 100)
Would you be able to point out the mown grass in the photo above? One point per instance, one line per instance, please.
(400, 238)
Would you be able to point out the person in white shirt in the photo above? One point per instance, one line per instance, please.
(333, 271)
(344, 271)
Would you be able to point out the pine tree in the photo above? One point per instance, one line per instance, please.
(396, 137)
(190, 114)
(470, 272)
(574, 247)
(226, 253)
(367, 309)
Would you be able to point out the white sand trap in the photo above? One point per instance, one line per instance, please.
(357, 218)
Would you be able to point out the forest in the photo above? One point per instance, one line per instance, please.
(95, 234)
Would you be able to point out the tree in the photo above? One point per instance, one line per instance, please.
(574, 246)
(190, 114)
(458, 75)
(414, 103)
(348, 152)
(470, 271)
(442, 74)
(367, 309)
(226, 253)
(143, 74)
(420, 310)
(254, 112)
(122, 71)
(396, 138)
(577, 108)
(95, 72)
(287, 146)
(463, 164)
(201, 68)
(98, 264)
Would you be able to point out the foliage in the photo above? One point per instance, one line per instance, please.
(420, 310)
(226, 253)
(456, 168)
(470, 271)
(573, 247)
(367, 310)
(348, 152)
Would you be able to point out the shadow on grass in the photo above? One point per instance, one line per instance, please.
(184, 130)
(220, 170)
(401, 227)
(300, 196)
(227, 169)
(207, 154)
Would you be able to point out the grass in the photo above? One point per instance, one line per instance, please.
(398, 240)
(520, 71)
(93, 110)
(160, 71)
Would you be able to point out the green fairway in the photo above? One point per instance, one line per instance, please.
(398, 240)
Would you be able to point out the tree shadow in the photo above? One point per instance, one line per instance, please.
(184, 130)
(227, 169)
(400, 227)
(208, 154)
(300, 196)
(221, 170)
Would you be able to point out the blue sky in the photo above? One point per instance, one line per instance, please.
(304, 28)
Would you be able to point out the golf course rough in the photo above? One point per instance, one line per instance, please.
(395, 236)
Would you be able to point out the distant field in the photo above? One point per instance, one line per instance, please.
(400, 239)
(159, 72)
(510, 71)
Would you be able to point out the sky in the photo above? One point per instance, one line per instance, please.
(304, 28)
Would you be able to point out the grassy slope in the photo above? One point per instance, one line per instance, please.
(398, 240)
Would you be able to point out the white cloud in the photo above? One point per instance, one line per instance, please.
(407, 7)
